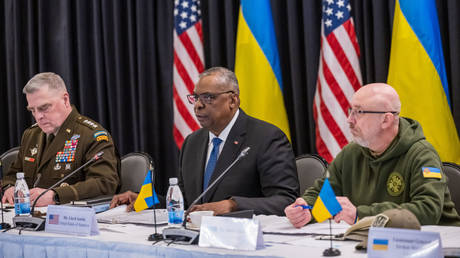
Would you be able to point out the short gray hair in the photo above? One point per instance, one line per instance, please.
(224, 75)
(52, 80)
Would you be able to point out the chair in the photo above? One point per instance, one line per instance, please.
(134, 167)
(309, 168)
(7, 158)
(452, 172)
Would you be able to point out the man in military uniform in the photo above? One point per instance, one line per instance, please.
(388, 165)
(61, 141)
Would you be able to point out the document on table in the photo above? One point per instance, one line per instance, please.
(281, 225)
(119, 215)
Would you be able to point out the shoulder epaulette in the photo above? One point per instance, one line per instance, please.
(87, 122)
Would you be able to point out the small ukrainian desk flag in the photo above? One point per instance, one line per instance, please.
(326, 205)
(147, 196)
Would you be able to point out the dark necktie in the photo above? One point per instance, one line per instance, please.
(49, 139)
(211, 162)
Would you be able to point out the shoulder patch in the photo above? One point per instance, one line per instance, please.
(101, 136)
(431, 172)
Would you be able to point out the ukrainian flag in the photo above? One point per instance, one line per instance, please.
(257, 64)
(418, 74)
(380, 244)
(326, 205)
(147, 196)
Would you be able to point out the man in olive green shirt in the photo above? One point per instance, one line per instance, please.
(61, 141)
(388, 165)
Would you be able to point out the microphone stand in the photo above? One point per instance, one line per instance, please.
(3, 225)
(38, 223)
(191, 236)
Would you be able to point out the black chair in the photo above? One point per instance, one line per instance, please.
(134, 167)
(309, 168)
(8, 157)
(452, 172)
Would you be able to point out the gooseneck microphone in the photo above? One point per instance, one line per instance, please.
(38, 223)
(191, 236)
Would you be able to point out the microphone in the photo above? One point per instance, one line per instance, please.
(191, 236)
(37, 223)
(3, 224)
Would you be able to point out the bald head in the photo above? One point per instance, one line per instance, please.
(380, 96)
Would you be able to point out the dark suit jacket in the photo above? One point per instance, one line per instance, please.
(264, 181)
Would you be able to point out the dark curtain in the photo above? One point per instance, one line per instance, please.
(116, 59)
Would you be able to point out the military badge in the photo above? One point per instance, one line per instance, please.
(75, 136)
(33, 151)
(430, 172)
(29, 159)
(64, 184)
(101, 136)
(67, 166)
(57, 166)
(395, 184)
(68, 130)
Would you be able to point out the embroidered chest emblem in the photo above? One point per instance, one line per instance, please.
(34, 151)
(68, 154)
(395, 184)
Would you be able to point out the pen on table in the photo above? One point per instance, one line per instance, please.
(305, 207)
(37, 180)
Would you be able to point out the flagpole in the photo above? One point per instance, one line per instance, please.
(155, 236)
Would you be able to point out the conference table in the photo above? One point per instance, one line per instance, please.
(130, 240)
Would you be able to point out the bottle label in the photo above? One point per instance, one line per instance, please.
(22, 208)
(176, 216)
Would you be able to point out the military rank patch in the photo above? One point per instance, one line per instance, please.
(395, 184)
(101, 136)
(431, 172)
(68, 154)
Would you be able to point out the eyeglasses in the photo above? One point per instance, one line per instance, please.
(356, 112)
(205, 98)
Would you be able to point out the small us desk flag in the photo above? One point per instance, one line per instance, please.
(147, 196)
(326, 205)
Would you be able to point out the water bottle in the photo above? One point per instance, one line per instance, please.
(21, 196)
(175, 204)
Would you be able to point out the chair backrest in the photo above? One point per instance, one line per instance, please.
(134, 167)
(452, 172)
(8, 157)
(309, 168)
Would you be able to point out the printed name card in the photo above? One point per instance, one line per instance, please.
(231, 233)
(71, 220)
(396, 242)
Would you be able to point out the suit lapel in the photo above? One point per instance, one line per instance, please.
(231, 150)
(202, 151)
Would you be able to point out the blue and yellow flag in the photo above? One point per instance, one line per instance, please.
(257, 64)
(147, 196)
(326, 205)
(418, 74)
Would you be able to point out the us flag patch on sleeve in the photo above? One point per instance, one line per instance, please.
(430, 172)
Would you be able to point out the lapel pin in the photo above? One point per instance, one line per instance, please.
(67, 130)
(235, 142)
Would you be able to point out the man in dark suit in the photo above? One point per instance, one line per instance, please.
(264, 181)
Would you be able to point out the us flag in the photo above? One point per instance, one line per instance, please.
(339, 76)
(188, 64)
(53, 219)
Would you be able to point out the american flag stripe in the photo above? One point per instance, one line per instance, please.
(188, 64)
(339, 76)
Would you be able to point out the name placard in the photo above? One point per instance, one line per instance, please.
(71, 220)
(396, 242)
(231, 233)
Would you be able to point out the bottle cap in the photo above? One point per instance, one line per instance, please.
(20, 175)
(173, 181)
